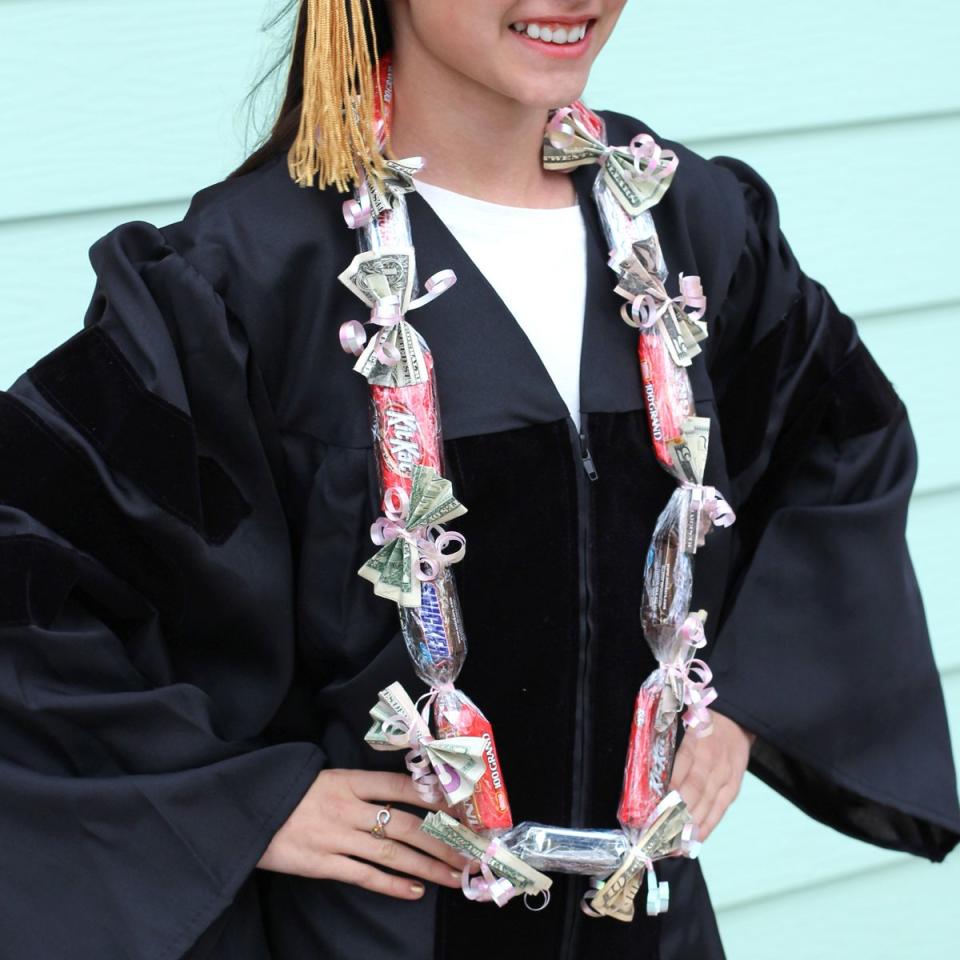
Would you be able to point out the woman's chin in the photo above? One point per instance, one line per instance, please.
(537, 92)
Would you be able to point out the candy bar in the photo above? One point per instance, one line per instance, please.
(433, 632)
(456, 715)
(664, 414)
(581, 851)
(650, 756)
(406, 429)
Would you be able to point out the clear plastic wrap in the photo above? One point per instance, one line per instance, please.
(622, 231)
(406, 427)
(582, 851)
(667, 577)
(650, 755)
(433, 632)
(456, 715)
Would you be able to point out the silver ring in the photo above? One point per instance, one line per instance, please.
(383, 818)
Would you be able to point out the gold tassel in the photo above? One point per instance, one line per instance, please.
(336, 133)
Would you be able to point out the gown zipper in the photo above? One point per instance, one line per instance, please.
(585, 475)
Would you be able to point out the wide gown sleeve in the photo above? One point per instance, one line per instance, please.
(822, 647)
(146, 621)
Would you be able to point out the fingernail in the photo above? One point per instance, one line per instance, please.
(416, 889)
(455, 874)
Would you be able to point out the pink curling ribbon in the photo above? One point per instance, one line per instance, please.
(441, 769)
(690, 677)
(717, 508)
(386, 313)
(658, 164)
(401, 731)
(358, 212)
(646, 308)
(437, 283)
(642, 161)
(711, 510)
(431, 541)
(487, 886)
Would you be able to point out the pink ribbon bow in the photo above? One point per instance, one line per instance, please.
(431, 541)
(402, 733)
(646, 308)
(650, 162)
(386, 313)
(488, 886)
(710, 506)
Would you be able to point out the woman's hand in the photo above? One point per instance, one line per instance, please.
(708, 770)
(328, 836)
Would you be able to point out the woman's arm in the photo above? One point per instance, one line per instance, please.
(147, 623)
(821, 649)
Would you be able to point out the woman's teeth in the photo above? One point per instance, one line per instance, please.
(552, 33)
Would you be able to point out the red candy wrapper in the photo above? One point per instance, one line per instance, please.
(650, 754)
(456, 715)
(664, 410)
(406, 429)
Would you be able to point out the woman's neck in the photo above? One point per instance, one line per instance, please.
(472, 139)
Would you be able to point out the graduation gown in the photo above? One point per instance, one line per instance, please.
(186, 490)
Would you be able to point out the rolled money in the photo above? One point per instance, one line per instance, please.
(690, 452)
(581, 851)
(650, 756)
(406, 535)
(663, 838)
(585, 144)
(456, 715)
(373, 276)
(524, 877)
(458, 762)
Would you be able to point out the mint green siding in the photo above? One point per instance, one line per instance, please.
(112, 110)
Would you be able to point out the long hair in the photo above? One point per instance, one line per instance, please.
(287, 118)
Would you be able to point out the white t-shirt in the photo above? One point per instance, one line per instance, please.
(536, 260)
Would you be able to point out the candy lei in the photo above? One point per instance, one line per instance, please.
(455, 756)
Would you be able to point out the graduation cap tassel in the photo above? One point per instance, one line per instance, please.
(336, 132)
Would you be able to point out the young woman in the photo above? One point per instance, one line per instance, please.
(189, 656)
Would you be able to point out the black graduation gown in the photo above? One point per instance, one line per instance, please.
(186, 491)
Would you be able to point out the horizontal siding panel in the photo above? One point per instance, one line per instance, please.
(916, 349)
(754, 66)
(878, 235)
(765, 849)
(108, 103)
(906, 912)
(933, 529)
(48, 281)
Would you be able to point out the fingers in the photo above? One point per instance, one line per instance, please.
(682, 763)
(370, 878)
(405, 827)
(394, 787)
(397, 855)
(724, 797)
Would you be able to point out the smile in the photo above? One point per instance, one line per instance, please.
(550, 31)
